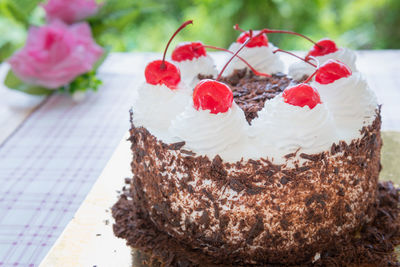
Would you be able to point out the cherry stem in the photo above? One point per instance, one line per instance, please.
(172, 37)
(293, 33)
(287, 52)
(315, 72)
(242, 59)
(237, 28)
(234, 55)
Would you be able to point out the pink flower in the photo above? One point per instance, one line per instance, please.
(55, 54)
(70, 10)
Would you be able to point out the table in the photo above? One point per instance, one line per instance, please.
(51, 161)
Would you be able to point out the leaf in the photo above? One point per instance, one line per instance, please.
(83, 83)
(18, 10)
(25, 6)
(6, 50)
(116, 15)
(14, 83)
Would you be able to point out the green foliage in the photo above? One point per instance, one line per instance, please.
(15, 18)
(14, 83)
(128, 25)
(18, 10)
(358, 24)
(112, 25)
(82, 83)
(10, 39)
(365, 24)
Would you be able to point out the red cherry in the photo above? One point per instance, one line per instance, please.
(212, 95)
(302, 95)
(331, 71)
(260, 40)
(322, 47)
(162, 72)
(188, 51)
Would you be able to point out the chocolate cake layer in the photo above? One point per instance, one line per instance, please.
(255, 212)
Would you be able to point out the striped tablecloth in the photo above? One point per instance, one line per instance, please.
(50, 163)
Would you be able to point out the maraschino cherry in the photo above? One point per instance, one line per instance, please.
(302, 95)
(214, 95)
(162, 71)
(322, 47)
(331, 71)
(260, 40)
(192, 50)
(188, 51)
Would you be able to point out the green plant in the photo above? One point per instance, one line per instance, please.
(145, 25)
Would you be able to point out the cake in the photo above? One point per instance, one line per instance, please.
(249, 170)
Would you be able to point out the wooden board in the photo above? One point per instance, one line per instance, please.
(88, 240)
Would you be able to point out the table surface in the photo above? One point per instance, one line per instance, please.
(49, 164)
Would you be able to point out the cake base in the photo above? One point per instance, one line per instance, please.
(373, 245)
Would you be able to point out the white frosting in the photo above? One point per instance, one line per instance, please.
(299, 69)
(157, 105)
(282, 128)
(190, 69)
(210, 134)
(351, 102)
(260, 58)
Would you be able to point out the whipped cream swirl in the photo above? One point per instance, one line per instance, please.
(352, 103)
(299, 69)
(282, 128)
(260, 58)
(210, 134)
(156, 106)
(190, 69)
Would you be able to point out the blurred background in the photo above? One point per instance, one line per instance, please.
(129, 25)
